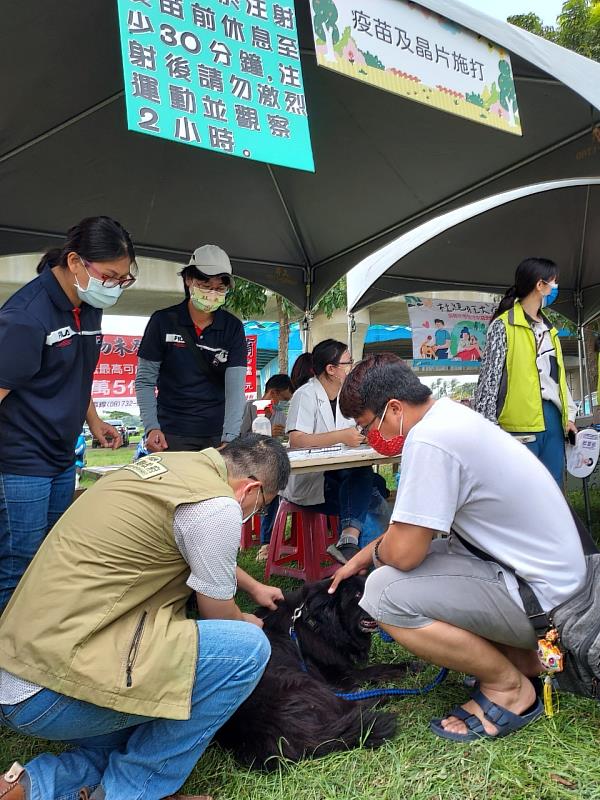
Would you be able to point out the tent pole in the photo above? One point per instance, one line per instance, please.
(351, 329)
(305, 331)
(580, 349)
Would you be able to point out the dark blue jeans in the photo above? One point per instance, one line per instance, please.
(549, 445)
(132, 757)
(347, 495)
(29, 507)
(267, 522)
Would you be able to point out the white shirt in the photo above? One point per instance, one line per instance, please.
(547, 366)
(207, 535)
(461, 471)
(310, 412)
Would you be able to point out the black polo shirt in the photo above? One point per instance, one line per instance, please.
(48, 354)
(189, 403)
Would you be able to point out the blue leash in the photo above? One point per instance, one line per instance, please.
(367, 693)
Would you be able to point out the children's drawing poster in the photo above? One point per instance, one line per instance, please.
(448, 332)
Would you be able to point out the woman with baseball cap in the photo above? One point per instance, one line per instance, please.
(194, 353)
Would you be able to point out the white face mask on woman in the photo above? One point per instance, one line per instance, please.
(98, 295)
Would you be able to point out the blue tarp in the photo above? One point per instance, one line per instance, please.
(268, 334)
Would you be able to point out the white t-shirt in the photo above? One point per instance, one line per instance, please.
(460, 471)
(311, 412)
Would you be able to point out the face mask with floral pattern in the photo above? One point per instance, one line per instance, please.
(206, 300)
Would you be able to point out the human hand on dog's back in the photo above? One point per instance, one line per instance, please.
(267, 596)
(357, 565)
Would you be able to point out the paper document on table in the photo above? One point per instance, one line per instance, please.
(323, 452)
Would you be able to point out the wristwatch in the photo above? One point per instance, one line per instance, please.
(377, 561)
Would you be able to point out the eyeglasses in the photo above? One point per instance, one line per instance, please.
(345, 363)
(221, 290)
(111, 282)
(364, 430)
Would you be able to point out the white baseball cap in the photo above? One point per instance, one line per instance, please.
(211, 260)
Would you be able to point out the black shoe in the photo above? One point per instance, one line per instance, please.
(343, 552)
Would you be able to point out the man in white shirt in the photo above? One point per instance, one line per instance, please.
(464, 476)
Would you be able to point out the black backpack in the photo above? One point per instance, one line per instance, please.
(578, 623)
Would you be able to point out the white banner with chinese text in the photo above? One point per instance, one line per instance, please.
(406, 49)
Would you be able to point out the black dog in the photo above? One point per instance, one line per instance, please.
(294, 712)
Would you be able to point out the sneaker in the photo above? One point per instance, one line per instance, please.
(10, 788)
(342, 553)
(263, 552)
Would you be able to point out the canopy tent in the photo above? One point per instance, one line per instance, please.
(383, 163)
(478, 246)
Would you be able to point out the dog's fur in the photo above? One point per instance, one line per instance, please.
(295, 714)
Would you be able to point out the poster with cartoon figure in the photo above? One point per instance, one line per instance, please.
(448, 332)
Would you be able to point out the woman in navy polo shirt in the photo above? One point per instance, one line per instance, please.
(195, 354)
(50, 337)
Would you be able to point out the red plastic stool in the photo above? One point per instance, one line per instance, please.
(250, 533)
(303, 554)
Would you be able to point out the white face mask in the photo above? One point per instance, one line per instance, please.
(254, 510)
(97, 295)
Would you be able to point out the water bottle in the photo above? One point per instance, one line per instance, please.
(261, 424)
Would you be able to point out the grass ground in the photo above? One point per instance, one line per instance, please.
(554, 759)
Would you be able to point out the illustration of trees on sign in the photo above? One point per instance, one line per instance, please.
(325, 24)
(508, 96)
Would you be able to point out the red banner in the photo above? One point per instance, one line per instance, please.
(114, 377)
(251, 346)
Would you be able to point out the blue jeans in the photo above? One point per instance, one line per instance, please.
(29, 507)
(347, 495)
(267, 522)
(549, 445)
(133, 757)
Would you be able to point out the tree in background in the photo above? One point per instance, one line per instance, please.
(325, 25)
(578, 27)
(249, 300)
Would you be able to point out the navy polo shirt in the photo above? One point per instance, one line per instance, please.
(48, 354)
(189, 403)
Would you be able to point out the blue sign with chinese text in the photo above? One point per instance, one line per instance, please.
(224, 75)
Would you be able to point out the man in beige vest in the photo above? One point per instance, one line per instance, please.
(96, 649)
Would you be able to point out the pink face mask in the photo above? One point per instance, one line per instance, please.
(386, 447)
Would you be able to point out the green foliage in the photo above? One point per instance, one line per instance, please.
(326, 16)
(334, 299)
(475, 99)
(560, 322)
(578, 27)
(532, 23)
(372, 60)
(247, 299)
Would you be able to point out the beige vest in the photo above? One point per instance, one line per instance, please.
(100, 613)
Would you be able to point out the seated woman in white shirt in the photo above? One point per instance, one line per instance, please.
(315, 420)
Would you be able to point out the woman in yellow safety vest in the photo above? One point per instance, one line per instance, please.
(522, 385)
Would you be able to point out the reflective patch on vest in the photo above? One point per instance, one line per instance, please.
(174, 338)
(147, 467)
(62, 334)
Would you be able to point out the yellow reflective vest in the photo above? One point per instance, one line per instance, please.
(520, 392)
